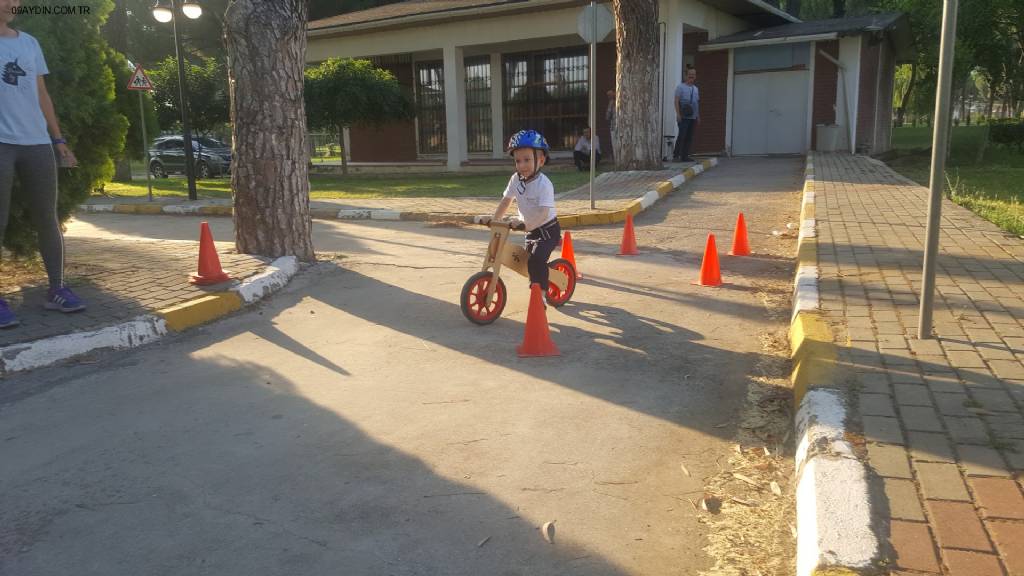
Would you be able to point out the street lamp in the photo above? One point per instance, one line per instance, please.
(163, 11)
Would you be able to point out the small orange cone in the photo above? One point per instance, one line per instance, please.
(568, 254)
(537, 340)
(628, 239)
(209, 263)
(710, 275)
(740, 244)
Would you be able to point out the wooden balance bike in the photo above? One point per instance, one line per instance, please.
(484, 294)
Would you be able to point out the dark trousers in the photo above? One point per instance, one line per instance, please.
(36, 168)
(540, 243)
(684, 139)
(583, 160)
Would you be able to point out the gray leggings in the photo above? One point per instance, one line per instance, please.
(36, 168)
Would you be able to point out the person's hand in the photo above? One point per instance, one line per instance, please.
(66, 157)
(516, 224)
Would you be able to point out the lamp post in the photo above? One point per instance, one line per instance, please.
(164, 12)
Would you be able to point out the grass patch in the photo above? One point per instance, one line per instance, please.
(992, 186)
(334, 186)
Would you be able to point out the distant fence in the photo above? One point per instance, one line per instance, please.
(324, 146)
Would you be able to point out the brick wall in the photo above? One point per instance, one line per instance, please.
(392, 142)
(866, 95)
(826, 83)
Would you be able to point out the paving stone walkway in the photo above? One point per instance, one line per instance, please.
(119, 279)
(943, 419)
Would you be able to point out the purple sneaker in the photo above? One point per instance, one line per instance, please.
(7, 318)
(63, 299)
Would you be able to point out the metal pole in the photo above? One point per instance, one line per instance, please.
(593, 97)
(939, 143)
(186, 130)
(145, 145)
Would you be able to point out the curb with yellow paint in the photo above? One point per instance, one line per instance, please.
(634, 207)
(835, 535)
(149, 328)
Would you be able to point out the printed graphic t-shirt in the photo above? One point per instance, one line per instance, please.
(21, 118)
(535, 199)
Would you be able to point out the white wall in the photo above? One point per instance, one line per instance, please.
(849, 57)
(674, 14)
(438, 35)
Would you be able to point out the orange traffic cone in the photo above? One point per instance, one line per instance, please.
(567, 252)
(537, 340)
(710, 275)
(209, 263)
(740, 244)
(628, 239)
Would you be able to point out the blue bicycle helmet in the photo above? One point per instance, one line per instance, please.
(528, 139)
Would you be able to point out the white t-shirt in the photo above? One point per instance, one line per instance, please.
(21, 118)
(535, 199)
(583, 145)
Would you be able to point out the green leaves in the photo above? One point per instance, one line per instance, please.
(81, 85)
(344, 92)
(206, 88)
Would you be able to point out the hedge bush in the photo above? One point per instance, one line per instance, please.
(1006, 132)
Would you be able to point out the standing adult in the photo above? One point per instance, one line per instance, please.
(609, 115)
(29, 137)
(687, 101)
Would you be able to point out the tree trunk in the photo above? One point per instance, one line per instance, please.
(344, 152)
(905, 100)
(838, 8)
(991, 102)
(638, 127)
(266, 42)
(122, 170)
(793, 7)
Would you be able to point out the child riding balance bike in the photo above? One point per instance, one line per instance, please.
(484, 295)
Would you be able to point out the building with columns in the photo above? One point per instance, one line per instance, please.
(480, 70)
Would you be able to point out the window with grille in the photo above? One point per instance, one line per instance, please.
(478, 103)
(431, 131)
(547, 91)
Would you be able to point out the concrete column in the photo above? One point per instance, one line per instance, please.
(849, 56)
(673, 66)
(497, 111)
(455, 106)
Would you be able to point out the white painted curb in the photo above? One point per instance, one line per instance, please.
(833, 518)
(45, 351)
(269, 281)
(133, 333)
(834, 531)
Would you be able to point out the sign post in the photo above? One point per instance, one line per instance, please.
(593, 24)
(140, 83)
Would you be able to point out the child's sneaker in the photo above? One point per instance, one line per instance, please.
(63, 299)
(7, 318)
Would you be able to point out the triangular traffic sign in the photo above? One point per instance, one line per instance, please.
(139, 80)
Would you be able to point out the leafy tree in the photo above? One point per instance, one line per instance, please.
(206, 89)
(81, 83)
(128, 105)
(343, 92)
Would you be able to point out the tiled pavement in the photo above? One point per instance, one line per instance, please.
(942, 418)
(119, 279)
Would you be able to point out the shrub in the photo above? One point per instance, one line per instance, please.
(81, 84)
